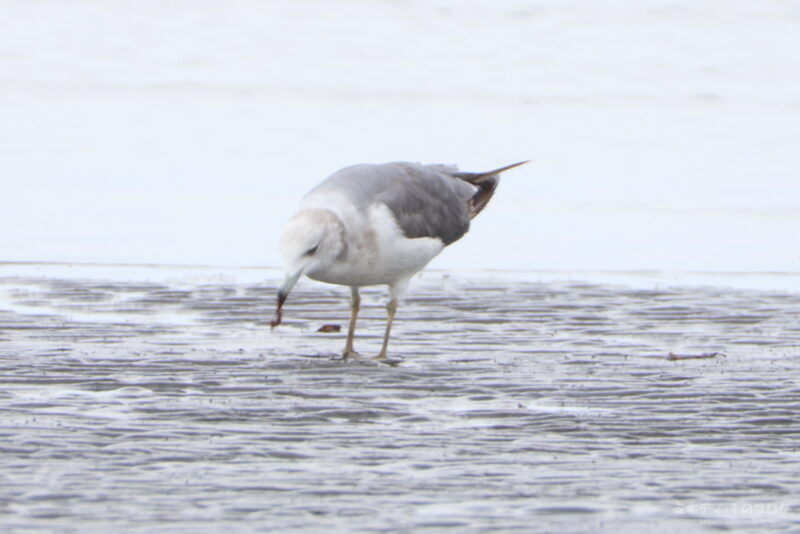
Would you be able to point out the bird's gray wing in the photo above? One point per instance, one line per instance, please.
(426, 200)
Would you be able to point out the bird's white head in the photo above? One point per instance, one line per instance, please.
(311, 242)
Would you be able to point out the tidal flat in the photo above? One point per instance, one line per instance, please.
(168, 405)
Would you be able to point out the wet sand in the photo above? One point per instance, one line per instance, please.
(169, 405)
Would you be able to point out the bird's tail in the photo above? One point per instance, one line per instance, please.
(486, 182)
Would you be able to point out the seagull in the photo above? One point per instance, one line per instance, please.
(379, 224)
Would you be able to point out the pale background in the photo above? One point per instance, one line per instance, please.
(665, 134)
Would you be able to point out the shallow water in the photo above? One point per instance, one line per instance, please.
(516, 407)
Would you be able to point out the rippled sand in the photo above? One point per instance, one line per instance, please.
(516, 407)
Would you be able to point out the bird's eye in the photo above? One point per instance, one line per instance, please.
(311, 251)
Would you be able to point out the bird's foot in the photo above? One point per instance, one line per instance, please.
(381, 358)
(354, 356)
(348, 355)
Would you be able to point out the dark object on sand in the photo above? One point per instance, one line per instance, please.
(673, 356)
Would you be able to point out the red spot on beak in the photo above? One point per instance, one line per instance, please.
(278, 311)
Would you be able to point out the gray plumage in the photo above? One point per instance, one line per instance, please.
(426, 200)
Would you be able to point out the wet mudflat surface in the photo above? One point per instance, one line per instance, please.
(516, 407)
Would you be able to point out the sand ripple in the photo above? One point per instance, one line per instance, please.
(141, 406)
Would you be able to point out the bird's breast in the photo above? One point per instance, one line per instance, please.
(379, 254)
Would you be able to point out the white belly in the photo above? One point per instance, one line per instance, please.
(381, 254)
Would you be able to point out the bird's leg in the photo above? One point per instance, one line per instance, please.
(355, 306)
(391, 308)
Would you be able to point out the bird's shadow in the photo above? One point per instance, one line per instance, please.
(367, 362)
